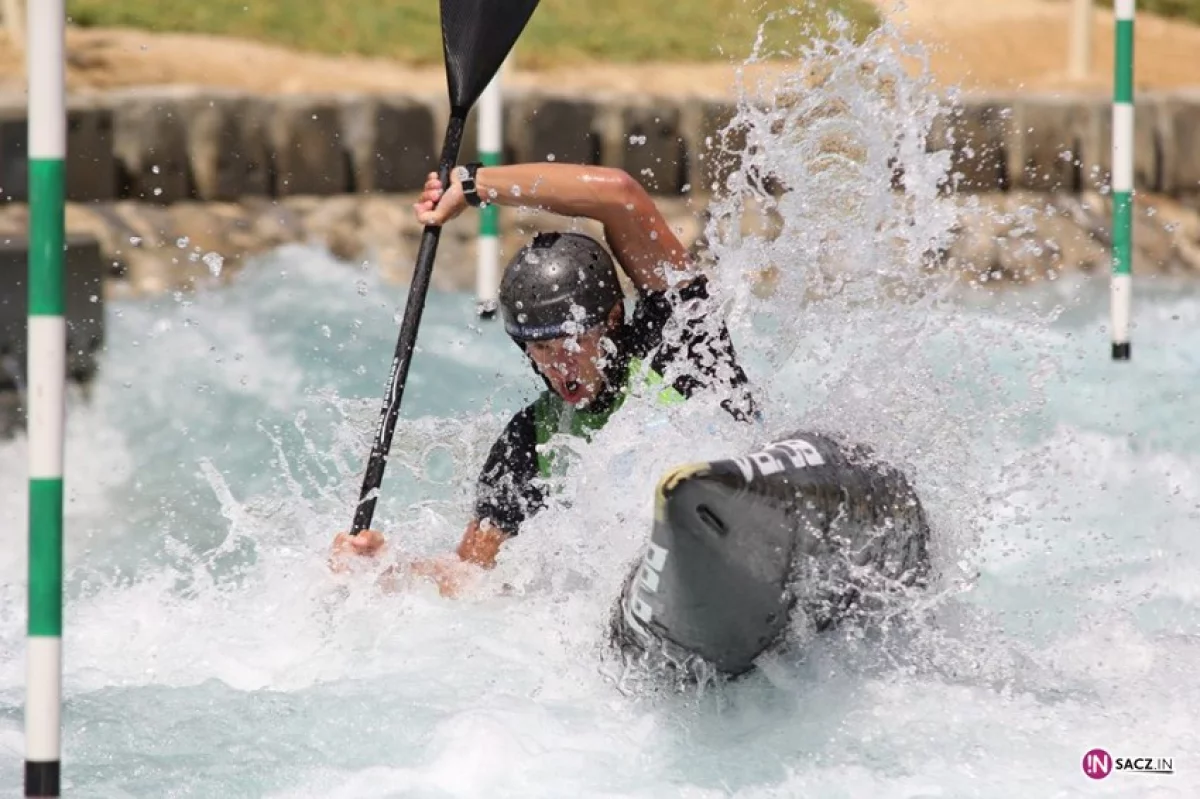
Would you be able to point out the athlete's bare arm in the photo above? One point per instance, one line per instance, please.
(635, 229)
(481, 543)
(478, 549)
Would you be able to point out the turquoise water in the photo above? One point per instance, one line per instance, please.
(209, 652)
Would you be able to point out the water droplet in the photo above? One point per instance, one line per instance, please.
(155, 169)
(182, 242)
(214, 262)
(361, 285)
(516, 190)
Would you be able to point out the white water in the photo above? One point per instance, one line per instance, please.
(209, 652)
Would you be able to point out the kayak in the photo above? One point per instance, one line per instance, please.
(739, 547)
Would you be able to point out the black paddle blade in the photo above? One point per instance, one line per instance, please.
(476, 37)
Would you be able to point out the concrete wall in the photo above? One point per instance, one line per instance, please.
(165, 145)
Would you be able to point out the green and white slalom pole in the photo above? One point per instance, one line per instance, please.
(487, 268)
(1122, 180)
(45, 400)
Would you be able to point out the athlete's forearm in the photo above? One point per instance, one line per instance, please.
(644, 244)
(481, 543)
(565, 189)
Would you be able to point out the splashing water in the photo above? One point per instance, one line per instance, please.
(209, 651)
(838, 289)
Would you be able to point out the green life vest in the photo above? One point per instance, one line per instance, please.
(554, 416)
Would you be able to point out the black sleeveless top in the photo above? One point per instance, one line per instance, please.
(665, 328)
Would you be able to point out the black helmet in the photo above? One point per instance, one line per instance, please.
(559, 284)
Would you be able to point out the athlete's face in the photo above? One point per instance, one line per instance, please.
(575, 365)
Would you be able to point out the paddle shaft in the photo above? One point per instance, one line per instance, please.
(407, 339)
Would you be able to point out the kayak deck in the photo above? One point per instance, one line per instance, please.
(739, 546)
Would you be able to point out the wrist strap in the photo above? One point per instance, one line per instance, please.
(469, 187)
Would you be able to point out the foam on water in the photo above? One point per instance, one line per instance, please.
(210, 652)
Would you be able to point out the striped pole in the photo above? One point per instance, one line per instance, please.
(47, 348)
(487, 269)
(1122, 181)
(1079, 61)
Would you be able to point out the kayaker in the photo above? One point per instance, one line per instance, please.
(562, 302)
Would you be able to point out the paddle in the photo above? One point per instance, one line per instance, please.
(476, 37)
